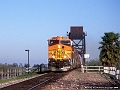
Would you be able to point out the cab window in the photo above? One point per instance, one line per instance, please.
(65, 42)
(53, 42)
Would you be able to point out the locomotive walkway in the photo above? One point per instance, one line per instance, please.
(76, 80)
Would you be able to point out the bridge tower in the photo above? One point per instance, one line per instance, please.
(77, 35)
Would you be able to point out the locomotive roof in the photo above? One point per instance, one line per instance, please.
(59, 38)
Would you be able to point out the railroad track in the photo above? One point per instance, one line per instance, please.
(36, 86)
(35, 83)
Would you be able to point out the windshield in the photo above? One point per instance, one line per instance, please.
(65, 42)
(53, 42)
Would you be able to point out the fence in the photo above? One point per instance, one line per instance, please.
(10, 73)
(92, 69)
(113, 71)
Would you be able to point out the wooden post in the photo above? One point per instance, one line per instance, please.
(2, 74)
(7, 73)
(118, 74)
(99, 68)
(15, 72)
(82, 68)
(10, 73)
(86, 69)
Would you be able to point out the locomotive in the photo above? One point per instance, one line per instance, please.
(62, 56)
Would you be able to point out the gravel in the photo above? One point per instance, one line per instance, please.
(77, 80)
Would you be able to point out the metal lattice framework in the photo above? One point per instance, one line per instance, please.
(77, 35)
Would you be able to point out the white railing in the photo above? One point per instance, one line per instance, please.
(92, 69)
(112, 71)
(107, 70)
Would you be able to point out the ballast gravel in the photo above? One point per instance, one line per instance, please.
(76, 80)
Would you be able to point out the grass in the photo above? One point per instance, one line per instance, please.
(19, 77)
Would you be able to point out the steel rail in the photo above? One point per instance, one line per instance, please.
(21, 81)
(40, 83)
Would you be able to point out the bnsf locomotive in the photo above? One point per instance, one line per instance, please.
(62, 56)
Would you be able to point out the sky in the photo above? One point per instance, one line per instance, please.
(28, 24)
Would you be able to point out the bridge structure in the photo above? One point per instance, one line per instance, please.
(77, 35)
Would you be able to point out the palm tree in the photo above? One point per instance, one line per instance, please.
(110, 49)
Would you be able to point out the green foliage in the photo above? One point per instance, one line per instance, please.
(94, 62)
(110, 49)
(19, 77)
(5, 66)
(26, 75)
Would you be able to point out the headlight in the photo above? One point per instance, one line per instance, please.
(64, 56)
(69, 60)
(52, 52)
(53, 56)
(58, 46)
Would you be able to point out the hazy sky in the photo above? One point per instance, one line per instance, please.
(28, 24)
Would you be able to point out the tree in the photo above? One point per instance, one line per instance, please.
(94, 62)
(36, 65)
(15, 65)
(26, 65)
(110, 49)
(20, 65)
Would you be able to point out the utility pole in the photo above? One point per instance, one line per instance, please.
(28, 60)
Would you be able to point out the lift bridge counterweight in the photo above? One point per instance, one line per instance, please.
(77, 35)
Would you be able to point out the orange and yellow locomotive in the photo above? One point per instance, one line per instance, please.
(62, 56)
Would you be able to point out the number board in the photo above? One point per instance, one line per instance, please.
(76, 32)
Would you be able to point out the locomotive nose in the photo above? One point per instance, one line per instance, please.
(59, 54)
(59, 46)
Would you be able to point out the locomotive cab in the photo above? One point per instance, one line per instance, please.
(59, 51)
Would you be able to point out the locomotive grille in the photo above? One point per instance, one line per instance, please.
(59, 54)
